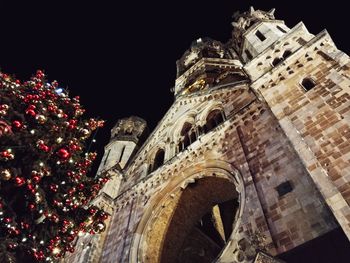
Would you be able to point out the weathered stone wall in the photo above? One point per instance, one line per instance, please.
(316, 121)
(282, 151)
(249, 141)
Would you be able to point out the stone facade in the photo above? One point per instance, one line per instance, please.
(253, 155)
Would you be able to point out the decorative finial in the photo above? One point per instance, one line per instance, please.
(272, 11)
(234, 24)
(251, 10)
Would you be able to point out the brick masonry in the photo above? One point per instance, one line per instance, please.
(281, 151)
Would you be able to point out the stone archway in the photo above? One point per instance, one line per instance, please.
(191, 223)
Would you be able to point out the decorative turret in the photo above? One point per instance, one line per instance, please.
(207, 63)
(255, 30)
(201, 48)
(126, 137)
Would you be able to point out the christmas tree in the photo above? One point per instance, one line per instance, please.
(45, 188)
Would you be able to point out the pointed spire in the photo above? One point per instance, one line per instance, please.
(251, 10)
(272, 11)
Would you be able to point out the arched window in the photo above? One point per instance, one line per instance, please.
(187, 136)
(286, 54)
(214, 118)
(308, 83)
(193, 136)
(158, 160)
(276, 61)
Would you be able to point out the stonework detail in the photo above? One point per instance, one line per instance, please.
(250, 161)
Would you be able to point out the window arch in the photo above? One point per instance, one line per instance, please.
(158, 160)
(276, 61)
(213, 119)
(287, 53)
(308, 83)
(188, 136)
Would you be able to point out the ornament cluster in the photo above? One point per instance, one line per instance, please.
(45, 188)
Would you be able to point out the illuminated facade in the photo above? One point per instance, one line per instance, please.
(253, 155)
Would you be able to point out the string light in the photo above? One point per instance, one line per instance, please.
(50, 130)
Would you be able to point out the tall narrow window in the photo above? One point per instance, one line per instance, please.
(308, 84)
(281, 29)
(105, 161)
(121, 154)
(214, 118)
(193, 136)
(260, 35)
(158, 159)
(249, 55)
(180, 146)
(286, 54)
(185, 134)
(276, 61)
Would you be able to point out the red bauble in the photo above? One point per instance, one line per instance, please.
(20, 181)
(14, 231)
(31, 112)
(24, 225)
(17, 124)
(36, 179)
(63, 153)
(31, 206)
(55, 218)
(104, 216)
(54, 187)
(39, 74)
(30, 187)
(45, 148)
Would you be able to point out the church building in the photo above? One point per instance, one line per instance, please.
(251, 163)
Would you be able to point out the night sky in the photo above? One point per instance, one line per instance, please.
(120, 56)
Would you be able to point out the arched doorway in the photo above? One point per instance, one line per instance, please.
(192, 223)
(196, 232)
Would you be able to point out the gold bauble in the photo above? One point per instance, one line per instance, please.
(5, 174)
(41, 119)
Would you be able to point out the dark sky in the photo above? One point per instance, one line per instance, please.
(119, 56)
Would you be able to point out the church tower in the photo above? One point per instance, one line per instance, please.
(126, 137)
(249, 164)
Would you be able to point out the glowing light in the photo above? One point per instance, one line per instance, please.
(56, 250)
(58, 90)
